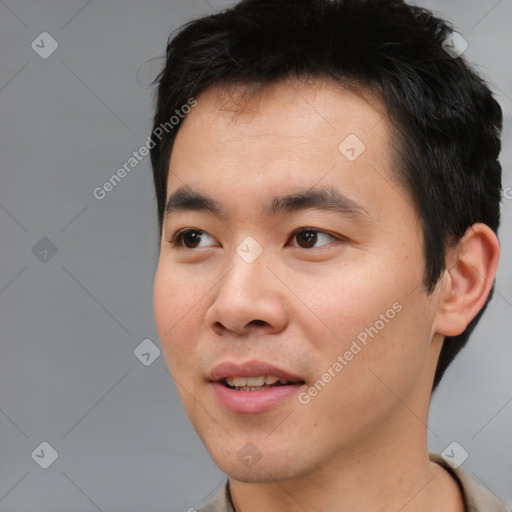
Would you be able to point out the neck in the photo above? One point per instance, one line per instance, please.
(400, 478)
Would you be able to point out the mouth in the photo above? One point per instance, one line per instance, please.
(256, 383)
(252, 387)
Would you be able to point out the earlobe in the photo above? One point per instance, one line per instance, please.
(467, 280)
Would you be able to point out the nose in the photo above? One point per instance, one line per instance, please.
(250, 299)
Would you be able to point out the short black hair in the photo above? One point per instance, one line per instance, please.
(445, 119)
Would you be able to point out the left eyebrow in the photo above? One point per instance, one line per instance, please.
(320, 198)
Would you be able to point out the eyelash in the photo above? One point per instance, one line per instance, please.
(179, 236)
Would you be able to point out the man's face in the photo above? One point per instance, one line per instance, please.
(310, 270)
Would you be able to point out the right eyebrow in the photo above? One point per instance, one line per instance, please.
(185, 199)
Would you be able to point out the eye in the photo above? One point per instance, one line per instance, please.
(192, 239)
(307, 238)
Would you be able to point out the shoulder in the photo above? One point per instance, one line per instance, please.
(477, 498)
(221, 502)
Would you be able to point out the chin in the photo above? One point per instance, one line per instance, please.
(251, 466)
(259, 474)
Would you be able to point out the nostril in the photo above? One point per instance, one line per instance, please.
(220, 328)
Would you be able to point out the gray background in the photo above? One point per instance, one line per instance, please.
(70, 324)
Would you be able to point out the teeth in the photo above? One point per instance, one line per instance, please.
(239, 381)
(262, 380)
(256, 381)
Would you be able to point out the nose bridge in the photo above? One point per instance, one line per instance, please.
(248, 269)
(248, 293)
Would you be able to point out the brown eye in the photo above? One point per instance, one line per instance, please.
(307, 238)
(192, 238)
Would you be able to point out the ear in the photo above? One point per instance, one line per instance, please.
(467, 280)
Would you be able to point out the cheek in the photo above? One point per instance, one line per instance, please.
(367, 309)
(177, 305)
(358, 382)
(346, 300)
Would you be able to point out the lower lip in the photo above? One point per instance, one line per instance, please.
(252, 402)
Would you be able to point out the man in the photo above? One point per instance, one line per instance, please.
(328, 191)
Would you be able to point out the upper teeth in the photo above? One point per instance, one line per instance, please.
(262, 380)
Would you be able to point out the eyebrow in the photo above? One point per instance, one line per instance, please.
(319, 198)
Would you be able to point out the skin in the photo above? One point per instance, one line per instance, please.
(359, 444)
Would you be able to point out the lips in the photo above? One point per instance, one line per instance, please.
(252, 387)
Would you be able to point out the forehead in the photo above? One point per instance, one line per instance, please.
(283, 136)
(289, 108)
